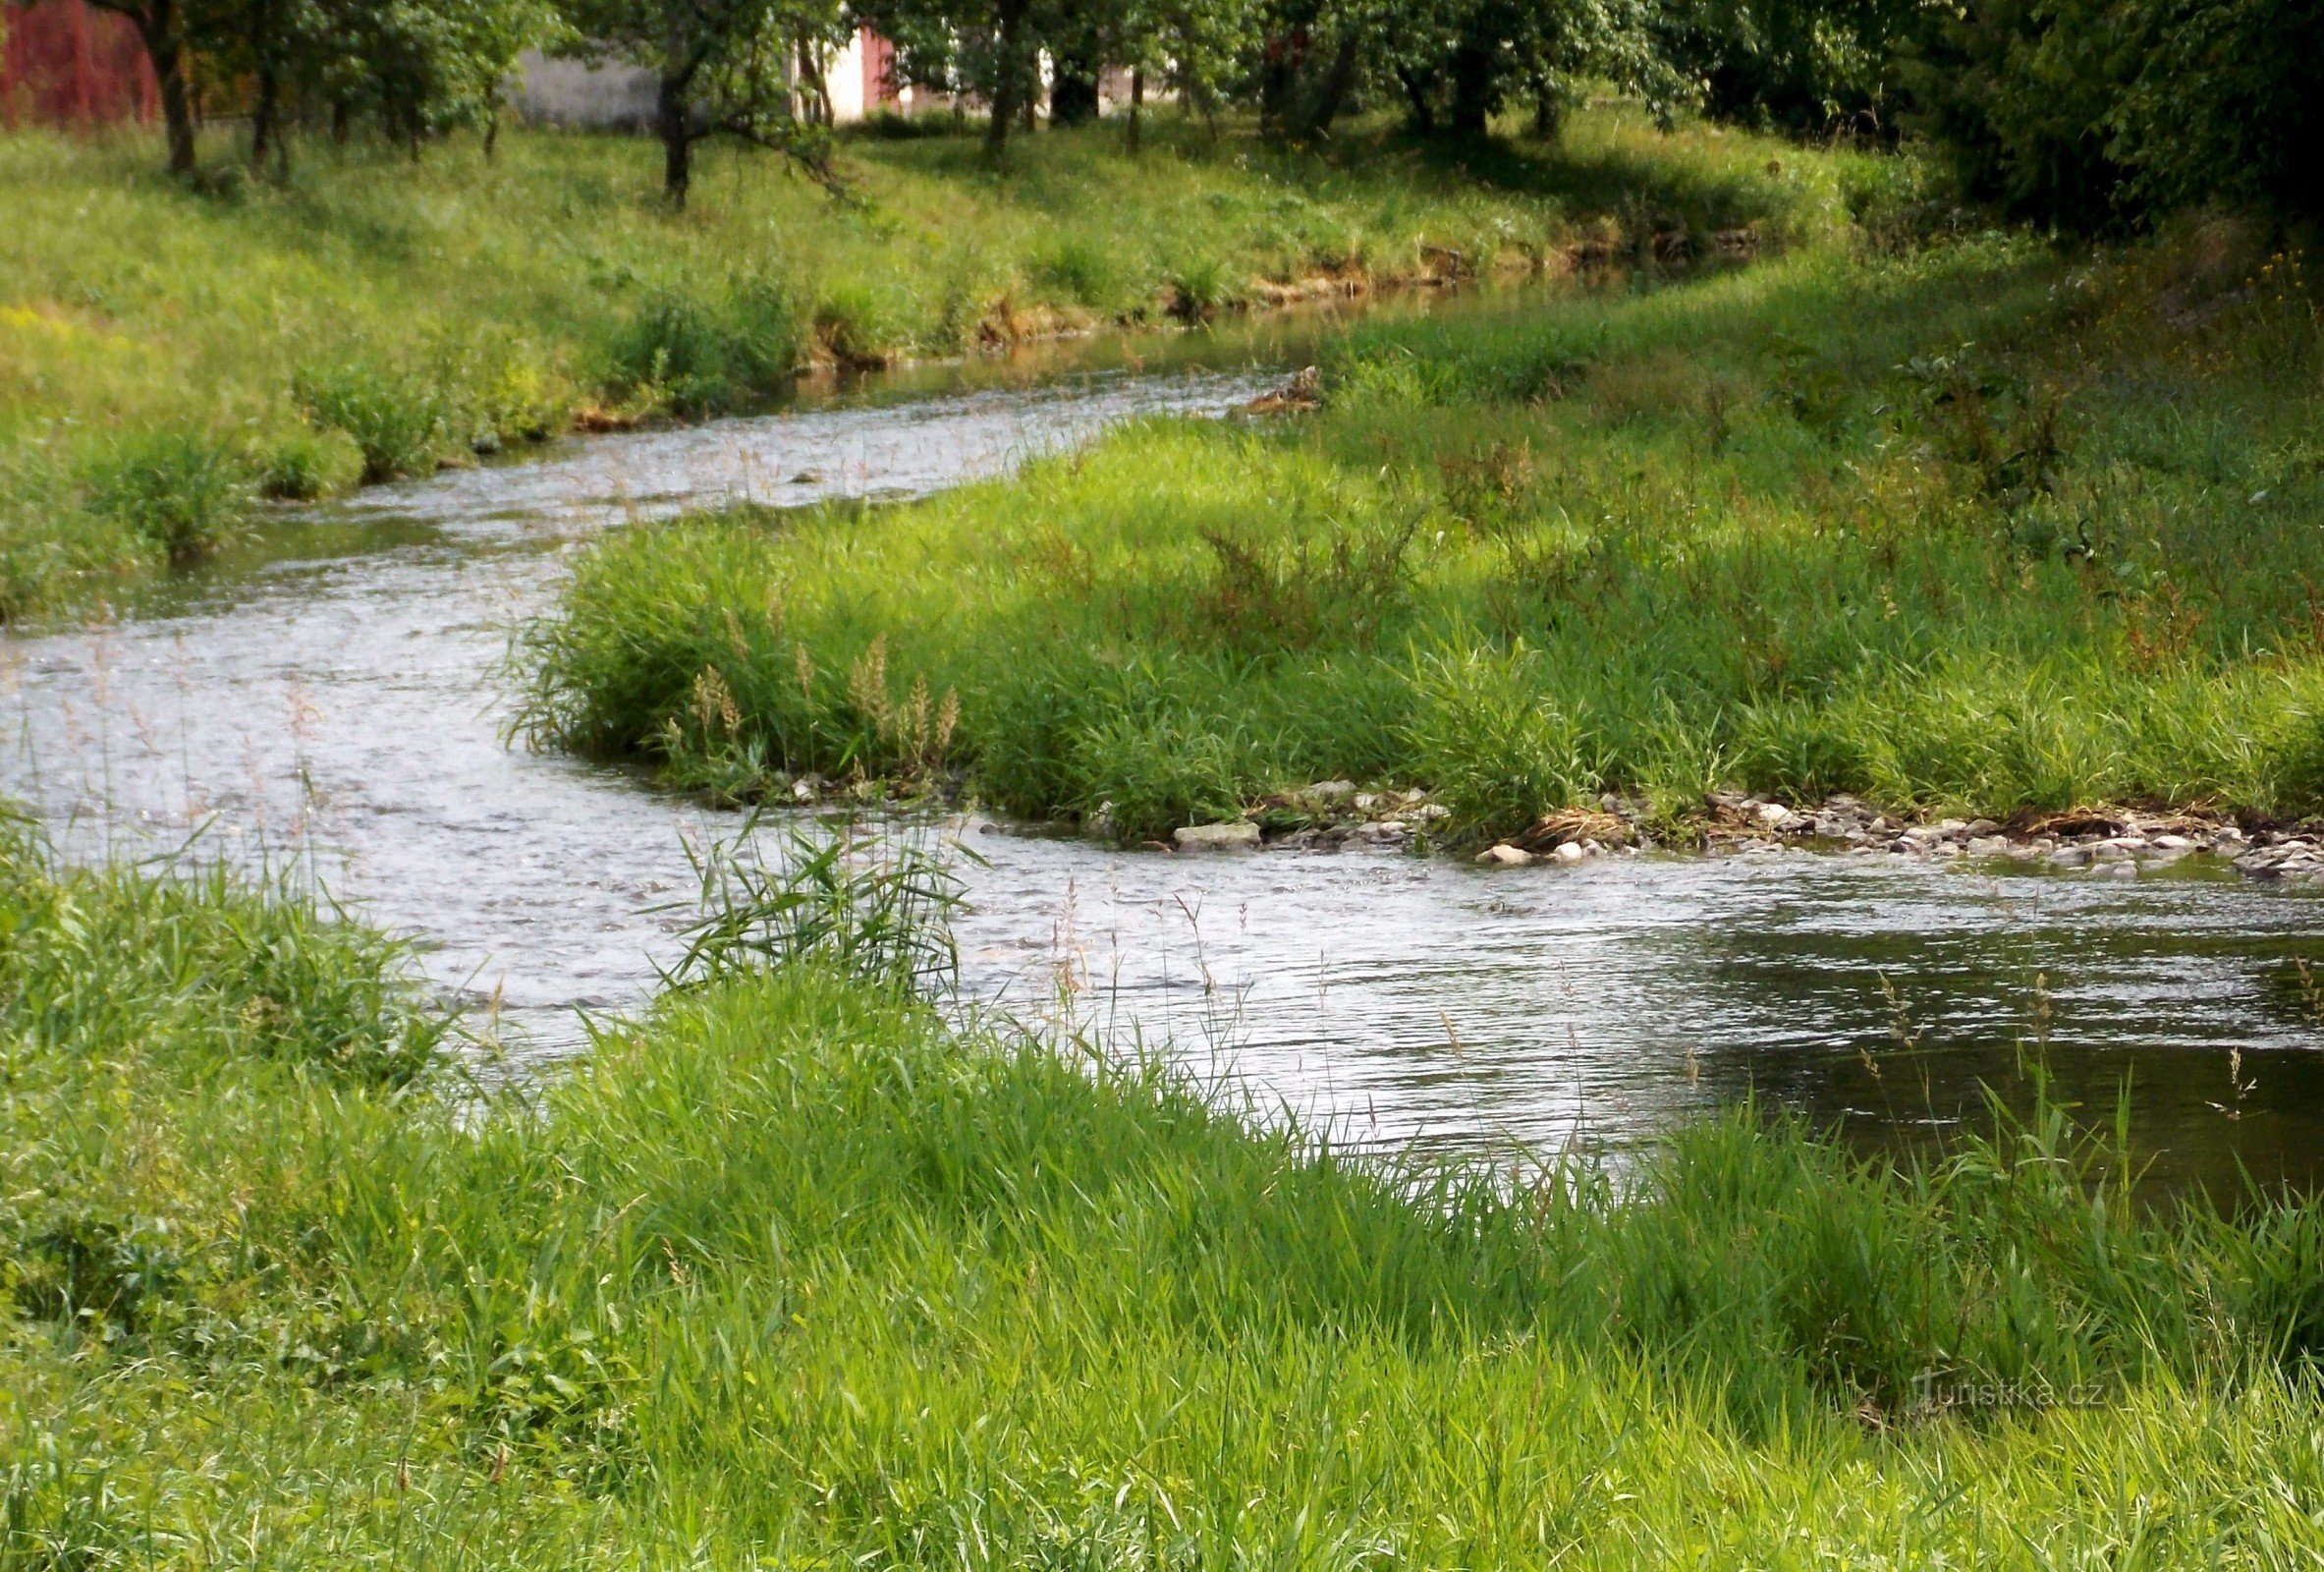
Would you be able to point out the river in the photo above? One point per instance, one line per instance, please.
(332, 694)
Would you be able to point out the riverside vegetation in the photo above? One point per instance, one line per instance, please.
(1945, 518)
(168, 357)
(787, 1271)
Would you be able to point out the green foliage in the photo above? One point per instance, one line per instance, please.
(739, 348)
(1959, 528)
(201, 965)
(304, 464)
(790, 1262)
(400, 423)
(1490, 733)
(2091, 116)
(1809, 65)
(878, 912)
(183, 491)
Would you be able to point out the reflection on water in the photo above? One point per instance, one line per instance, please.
(335, 693)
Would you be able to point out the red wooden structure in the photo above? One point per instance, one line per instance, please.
(66, 63)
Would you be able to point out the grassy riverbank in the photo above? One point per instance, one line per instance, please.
(1956, 524)
(787, 1273)
(166, 356)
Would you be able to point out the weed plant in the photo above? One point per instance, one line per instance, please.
(428, 311)
(1958, 525)
(788, 1272)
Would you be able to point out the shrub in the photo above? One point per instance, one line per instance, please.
(860, 323)
(1490, 735)
(182, 491)
(1201, 287)
(1147, 775)
(497, 390)
(1080, 271)
(703, 356)
(399, 421)
(49, 537)
(304, 464)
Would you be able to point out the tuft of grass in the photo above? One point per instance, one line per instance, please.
(1961, 527)
(304, 465)
(789, 1268)
(183, 492)
(696, 357)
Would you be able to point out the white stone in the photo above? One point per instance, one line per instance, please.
(1570, 852)
(1505, 855)
(1239, 836)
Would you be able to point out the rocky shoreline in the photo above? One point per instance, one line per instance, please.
(2101, 842)
(2108, 843)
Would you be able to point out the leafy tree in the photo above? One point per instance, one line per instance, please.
(2021, 95)
(1808, 65)
(1458, 63)
(1315, 57)
(161, 28)
(721, 69)
(2228, 104)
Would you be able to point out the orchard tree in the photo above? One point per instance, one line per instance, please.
(161, 28)
(987, 49)
(720, 68)
(1458, 63)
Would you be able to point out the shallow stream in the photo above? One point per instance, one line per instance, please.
(335, 693)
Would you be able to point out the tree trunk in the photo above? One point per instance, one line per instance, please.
(1277, 76)
(818, 90)
(1331, 93)
(491, 129)
(263, 116)
(1005, 84)
(1473, 87)
(1548, 112)
(158, 23)
(1073, 89)
(1137, 101)
(342, 120)
(1415, 93)
(675, 125)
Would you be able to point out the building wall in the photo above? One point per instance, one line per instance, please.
(570, 92)
(574, 93)
(64, 63)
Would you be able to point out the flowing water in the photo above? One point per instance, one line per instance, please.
(335, 692)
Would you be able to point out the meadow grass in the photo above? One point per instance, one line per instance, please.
(168, 357)
(1955, 523)
(788, 1272)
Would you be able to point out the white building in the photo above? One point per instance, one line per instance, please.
(550, 92)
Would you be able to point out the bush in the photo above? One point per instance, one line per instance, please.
(400, 422)
(1149, 774)
(703, 356)
(2094, 116)
(1490, 735)
(497, 390)
(184, 492)
(1080, 271)
(306, 463)
(1805, 65)
(860, 323)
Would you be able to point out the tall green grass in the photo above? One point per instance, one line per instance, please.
(428, 311)
(1961, 525)
(788, 1272)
